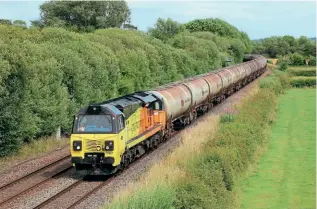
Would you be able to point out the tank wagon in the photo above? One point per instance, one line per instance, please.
(108, 136)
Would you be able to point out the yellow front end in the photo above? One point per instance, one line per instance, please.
(97, 151)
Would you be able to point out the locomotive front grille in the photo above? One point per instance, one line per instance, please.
(93, 145)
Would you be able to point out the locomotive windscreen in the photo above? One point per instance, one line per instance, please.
(93, 124)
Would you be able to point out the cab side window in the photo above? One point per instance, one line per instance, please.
(121, 123)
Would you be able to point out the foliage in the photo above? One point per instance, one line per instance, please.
(165, 29)
(295, 51)
(5, 22)
(297, 59)
(312, 61)
(283, 66)
(216, 26)
(300, 82)
(19, 23)
(83, 15)
(221, 28)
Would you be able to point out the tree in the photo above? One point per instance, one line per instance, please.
(306, 46)
(37, 23)
(221, 28)
(5, 22)
(165, 29)
(130, 27)
(19, 23)
(84, 15)
(216, 26)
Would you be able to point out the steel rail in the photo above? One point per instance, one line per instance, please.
(33, 172)
(35, 185)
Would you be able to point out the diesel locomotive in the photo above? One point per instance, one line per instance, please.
(108, 136)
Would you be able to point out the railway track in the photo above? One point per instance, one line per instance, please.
(32, 159)
(22, 185)
(66, 196)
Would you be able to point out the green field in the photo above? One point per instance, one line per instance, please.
(286, 173)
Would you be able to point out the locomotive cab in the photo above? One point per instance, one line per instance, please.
(97, 138)
(110, 135)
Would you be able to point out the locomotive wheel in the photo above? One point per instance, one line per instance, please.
(125, 161)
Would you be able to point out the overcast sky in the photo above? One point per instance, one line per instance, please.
(259, 19)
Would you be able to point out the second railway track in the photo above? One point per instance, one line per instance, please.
(24, 184)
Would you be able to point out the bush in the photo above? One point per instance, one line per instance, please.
(297, 59)
(285, 81)
(283, 66)
(300, 82)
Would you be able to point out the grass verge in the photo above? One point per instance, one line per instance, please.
(203, 170)
(286, 175)
(31, 150)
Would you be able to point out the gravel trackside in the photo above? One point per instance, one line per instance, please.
(29, 166)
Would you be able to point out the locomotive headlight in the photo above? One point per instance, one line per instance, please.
(109, 145)
(77, 145)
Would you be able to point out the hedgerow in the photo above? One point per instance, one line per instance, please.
(47, 74)
(303, 72)
(300, 82)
